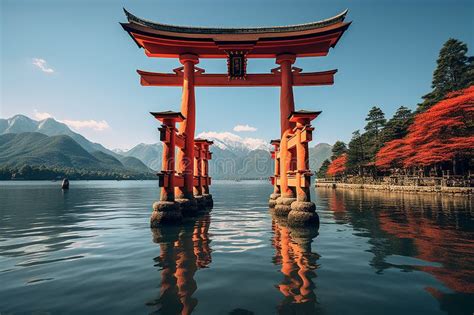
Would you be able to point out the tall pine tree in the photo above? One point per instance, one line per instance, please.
(323, 169)
(338, 149)
(397, 126)
(357, 155)
(375, 123)
(454, 71)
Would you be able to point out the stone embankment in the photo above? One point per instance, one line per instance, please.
(387, 187)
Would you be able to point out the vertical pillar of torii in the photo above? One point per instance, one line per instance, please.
(185, 158)
(291, 194)
(287, 106)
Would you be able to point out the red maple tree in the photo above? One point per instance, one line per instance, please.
(337, 166)
(440, 134)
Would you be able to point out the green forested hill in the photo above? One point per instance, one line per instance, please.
(49, 127)
(134, 164)
(36, 149)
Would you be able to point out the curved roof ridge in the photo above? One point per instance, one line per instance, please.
(235, 30)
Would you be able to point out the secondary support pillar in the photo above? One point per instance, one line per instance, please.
(303, 211)
(198, 178)
(166, 210)
(185, 160)
(287, 106)
(276, 174)
(204, 180)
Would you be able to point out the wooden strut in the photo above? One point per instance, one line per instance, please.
(202, 79)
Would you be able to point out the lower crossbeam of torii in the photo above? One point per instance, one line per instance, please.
(184, 179)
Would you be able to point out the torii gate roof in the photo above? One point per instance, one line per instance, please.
(302, 40)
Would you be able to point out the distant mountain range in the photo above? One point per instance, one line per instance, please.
(233, 157)
(24, 141)
(49, 143)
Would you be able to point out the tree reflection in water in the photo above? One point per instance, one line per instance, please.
(429, 227)
(298, 264)
(183, 250)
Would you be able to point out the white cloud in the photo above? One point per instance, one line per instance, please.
(41, 63)
(42, 116)
(240, 128)
(84, 124)
(76, 124)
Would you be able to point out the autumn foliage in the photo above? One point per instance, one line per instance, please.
(337, 166)
(443, 132)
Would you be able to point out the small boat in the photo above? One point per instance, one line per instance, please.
(65, 184)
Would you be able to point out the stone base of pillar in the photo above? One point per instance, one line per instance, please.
(283, 206)
(303, 213)
(273, 198)
(188, 207)
(165, 212)
(209, 202)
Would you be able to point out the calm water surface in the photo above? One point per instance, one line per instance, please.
(90, 251)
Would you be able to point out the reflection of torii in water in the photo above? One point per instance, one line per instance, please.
(183, 250)
(298, 263)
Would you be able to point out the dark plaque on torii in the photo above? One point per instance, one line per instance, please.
(236, 65)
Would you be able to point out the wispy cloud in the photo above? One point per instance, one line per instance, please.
(41, 116)
(87, 124)
(76, 124)
(240, 128)
(42, 65)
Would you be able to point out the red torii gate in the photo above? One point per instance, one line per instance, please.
(184, 192)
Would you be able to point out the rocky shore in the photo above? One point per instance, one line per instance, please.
(387, 187)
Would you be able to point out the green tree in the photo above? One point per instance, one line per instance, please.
(454, 71)
(375, 121)
(397, 126)
(338, 149)
(357, 152)
(5, 173)
(323, 169)
(372, 140)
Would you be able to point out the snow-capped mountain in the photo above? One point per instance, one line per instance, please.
(18, 124)
(233, 142)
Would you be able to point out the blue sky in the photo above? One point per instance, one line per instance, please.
(72, 60)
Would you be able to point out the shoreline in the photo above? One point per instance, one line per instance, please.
(399, 188)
